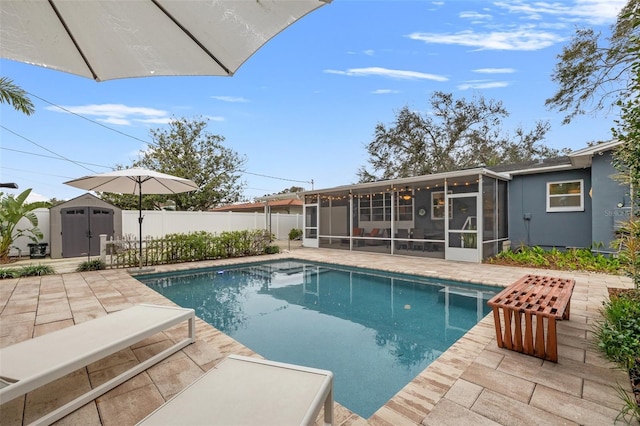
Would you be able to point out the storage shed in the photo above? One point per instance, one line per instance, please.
(77, 224)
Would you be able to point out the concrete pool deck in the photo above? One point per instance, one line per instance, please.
(472, 382)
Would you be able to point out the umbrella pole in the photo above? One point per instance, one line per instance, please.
(140, 221)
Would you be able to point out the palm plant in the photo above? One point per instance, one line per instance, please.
(12, 210)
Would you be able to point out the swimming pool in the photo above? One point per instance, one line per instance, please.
(375, 330)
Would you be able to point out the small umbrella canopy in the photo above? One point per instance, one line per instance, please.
(135, 181)
(111, 39)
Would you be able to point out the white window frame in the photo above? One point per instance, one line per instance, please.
(432, 208)
(549, 196)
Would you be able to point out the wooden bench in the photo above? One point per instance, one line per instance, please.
(542, 299)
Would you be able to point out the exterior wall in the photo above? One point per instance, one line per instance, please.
(20, 246)
(607, 193)
(527, 196)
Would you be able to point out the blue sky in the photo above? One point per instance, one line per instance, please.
(305, 105)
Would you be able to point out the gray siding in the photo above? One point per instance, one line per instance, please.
(607, 193)
(527, 196)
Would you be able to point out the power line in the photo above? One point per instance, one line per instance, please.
(47, 149)
(279, 178)
(93, 121)
(51, 156)
(79, 163)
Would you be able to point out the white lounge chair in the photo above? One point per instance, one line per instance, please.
(33, 363)
(250, 391)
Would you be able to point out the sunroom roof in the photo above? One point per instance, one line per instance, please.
(454, 177)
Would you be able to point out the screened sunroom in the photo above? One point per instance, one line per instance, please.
(458, 215)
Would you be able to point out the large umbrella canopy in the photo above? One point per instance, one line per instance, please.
(135, 181)
(110, 39)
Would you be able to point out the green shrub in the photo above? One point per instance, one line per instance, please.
(35, 270)
(569, 260)
(8, 273)
(295, 234)
(272, 249)
(618, 338)
(91, 265)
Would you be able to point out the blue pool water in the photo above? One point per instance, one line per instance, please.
(375, 330)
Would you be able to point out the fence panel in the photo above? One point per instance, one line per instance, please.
(158, 223)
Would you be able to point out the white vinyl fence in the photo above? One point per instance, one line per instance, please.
(158, 223)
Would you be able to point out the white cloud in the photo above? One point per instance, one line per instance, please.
(215, 118)
(117, 114)
(230, 98)
(369, 52)
(384, 91)
(480, 84)
(389, 73)
(475, 16)
(495, 70)
(594, 12)
(524, 38)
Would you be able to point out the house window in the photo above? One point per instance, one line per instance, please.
(565, 196)
(437, 205)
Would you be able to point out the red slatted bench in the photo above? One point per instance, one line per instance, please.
(541, 301)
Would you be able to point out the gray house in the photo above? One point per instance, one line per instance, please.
(472, 214)
(572, 201)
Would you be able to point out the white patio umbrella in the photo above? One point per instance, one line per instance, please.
(111, 39)
(136, 181)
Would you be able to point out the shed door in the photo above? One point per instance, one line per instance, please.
(81, 229)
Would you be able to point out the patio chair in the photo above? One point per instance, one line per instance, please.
(418, 234)
(404, 234)
(250, 391)
(33, 363)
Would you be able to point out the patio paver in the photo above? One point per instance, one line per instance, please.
(472, 382)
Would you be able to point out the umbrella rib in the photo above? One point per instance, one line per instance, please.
(191, 36)
(73, 40)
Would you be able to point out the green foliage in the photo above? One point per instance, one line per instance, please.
(454, 134)
(12, 210)
(91, 265)
(26, 271)
(35, 270)
(8, 273)
(191, 247)
(187, 150)
(593, 74)
(271, 249)
(617, 336)
(295, 234)
(628, 242)
(569, 260)
(15, 96)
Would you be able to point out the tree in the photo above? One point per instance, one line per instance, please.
(626, 158)
(13, 95)
(12, 210)
(187, 150)
(455, 134)
(593, 75)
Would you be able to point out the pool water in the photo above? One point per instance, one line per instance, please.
(375, 330)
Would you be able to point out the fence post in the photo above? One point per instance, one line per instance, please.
(103, 247)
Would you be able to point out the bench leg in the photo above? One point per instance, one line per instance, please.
(539, 345)
(496, 321)
(518, 331)
(508, 339)
(528, 334)
(552, 341)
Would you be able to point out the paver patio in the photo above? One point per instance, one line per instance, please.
(472, 382)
